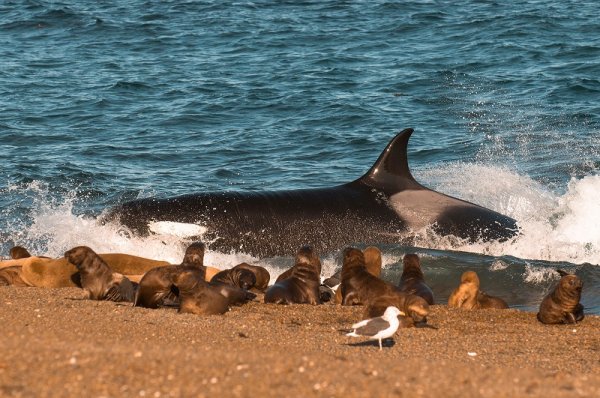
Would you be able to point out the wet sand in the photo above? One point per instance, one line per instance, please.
(56, 344)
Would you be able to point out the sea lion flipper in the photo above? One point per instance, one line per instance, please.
(562, 272)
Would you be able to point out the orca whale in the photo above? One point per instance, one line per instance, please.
(384, 206)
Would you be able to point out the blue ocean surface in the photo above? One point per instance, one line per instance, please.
(104, 102)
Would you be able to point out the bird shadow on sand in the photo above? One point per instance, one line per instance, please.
(384, 343)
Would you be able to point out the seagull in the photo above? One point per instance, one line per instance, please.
(378, 328)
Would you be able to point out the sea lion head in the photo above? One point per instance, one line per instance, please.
(570, 286)
(373, 260)
(353, 257)
(19, 252)
(244, 278)
(307, 256)
(470, 277)
(417, 308)
(194, 255)
(77, 255)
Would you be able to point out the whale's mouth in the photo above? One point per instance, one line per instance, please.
(182, 230)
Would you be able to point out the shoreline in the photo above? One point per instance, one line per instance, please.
(55, 344)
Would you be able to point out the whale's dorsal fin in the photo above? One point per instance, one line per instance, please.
(390, 172)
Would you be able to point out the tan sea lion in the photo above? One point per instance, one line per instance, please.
(562, 304)
(157, 289)
(469, 296)
(11, 276)
(239, 277)
(373, 260)
(97, 279)
(412, 280)
(302, 285)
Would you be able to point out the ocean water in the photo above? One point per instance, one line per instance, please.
(104, 103)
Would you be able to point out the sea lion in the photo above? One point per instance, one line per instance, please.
(414, 307)
(97, 279)
(11, 276)
(261, 274)
(468, 295)
(196, 296)
(562, 304)
(373, 264)
(19, 252)
(359, 286)
(239, 277)
(157, 289)
(412, 280)
(302, 285)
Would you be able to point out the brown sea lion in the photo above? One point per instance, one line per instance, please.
(302, 285)
(414, 307)
(97, 279)
(196, 296)
(412, 280)
(157, 289)
(562, 304)
(11, 276)
(261, 274)
(239, 277)
(359, 286)
(373, 263)
(469, 296)
(19, 252)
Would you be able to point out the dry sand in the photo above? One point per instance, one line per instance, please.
(56, 344)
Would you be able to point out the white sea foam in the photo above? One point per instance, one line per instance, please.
(553, 227)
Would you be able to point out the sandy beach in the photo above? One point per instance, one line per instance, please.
(54, 343)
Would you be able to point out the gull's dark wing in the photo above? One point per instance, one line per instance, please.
(373, 327)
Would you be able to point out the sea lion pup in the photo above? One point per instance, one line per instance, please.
(562, 304)
(262, 276)
(358, 285)
(157, 289)
(412, 280)
(239, 277)
(97, 279)
(302, 286)
(196, 296)
(11, 276)
(468, 296)
(373, 263)
(414, 307)
(19, 252)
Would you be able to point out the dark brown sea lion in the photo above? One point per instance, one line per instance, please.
(302, 285)
(97, 279)
(19, 252)
(412, 280)
(11, 276)
(562, 304)
(359, 286)
(414, 307)
(196, 296)
(156, 288)
(262, 275)
(239, 277)
(469, 296)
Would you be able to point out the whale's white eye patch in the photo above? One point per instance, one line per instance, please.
(182, 230)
